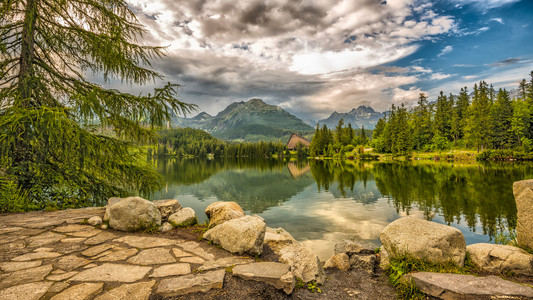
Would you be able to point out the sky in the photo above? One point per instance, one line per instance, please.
(314, 57)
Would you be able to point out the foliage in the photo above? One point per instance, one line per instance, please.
(404, 265)
(64, 140)
(313, 287)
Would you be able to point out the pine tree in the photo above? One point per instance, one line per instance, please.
(422, 133)
(460, 111)
(443, 117)
(315, 147)
(478, 124)
(502, 114)
(51, 115)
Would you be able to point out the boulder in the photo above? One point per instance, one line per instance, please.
(183, 217)
(424, 240)
(95, 221)
(340, 261)
(523, 194)
(276, 274)
(167, 207)
(133, 213)
(304, 264)
(351, 247)
(366, 262)
(242, 235)
(501, 258)
(457, 286)
(110, 201)
(220, 212)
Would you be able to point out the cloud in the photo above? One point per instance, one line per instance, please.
(509, 61)
(305, 55)
(420, 69)
(439, 76)
(499, 20)
(485, 4)
(445, 51)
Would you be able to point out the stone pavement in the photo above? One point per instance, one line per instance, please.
(52, 255)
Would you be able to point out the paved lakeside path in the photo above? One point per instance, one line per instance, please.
(54, 255)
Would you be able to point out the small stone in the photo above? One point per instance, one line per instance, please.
(119, 254)
(61, 277)
(183, 217)
(112, 272)
(71, 262)
(83, 291)
(192, 260)
(224, 262)
(95, 221)
(26, 276)
(104, 226)
(167, 207)
(182, 285)
(166, 227)
(96, 250)
(58, 287)
(29, 291)
(152, 256)
(15, 266)
(180, 253)
(43, 249)
(134, 291)
(100, 238)
(67, 248)
(145, 242)
(340, 261)
(364, 262)
(457, 286)
(276, 274)
(172, 270)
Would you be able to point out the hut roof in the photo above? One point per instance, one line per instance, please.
(295, 139)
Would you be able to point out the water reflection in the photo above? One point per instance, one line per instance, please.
(322, 202)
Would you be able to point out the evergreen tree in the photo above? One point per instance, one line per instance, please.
(339, 132)
(502, 114)
(315, 147)
(478, 124)
(460, 111)
(422, 133)
(443, 117)
(50, 113)
(402, 144)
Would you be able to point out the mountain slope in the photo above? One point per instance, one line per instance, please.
(249, 121)
(361, 116)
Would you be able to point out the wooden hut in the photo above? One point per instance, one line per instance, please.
(295, 139)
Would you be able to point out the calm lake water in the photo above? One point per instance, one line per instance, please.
(323, 202)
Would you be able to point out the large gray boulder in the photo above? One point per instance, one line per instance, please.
(110, 201)
(220, 212)
(167, 207)
(183, 217)
(242, 235)
(458, 286)
(424, 240)
(523, 194)
(501, 258)
(132, 214)
(304, 264)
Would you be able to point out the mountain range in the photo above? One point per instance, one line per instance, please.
(255, 120)
(362, 116)
(250, 121)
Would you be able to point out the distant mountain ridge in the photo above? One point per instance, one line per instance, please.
(361, 116)
(253, 120)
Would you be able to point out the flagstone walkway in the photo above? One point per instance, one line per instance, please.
(54, 256)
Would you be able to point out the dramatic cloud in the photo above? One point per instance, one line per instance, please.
(486, 4)
(310, 57)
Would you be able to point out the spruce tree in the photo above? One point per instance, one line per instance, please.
(62, 137)
(422, 133)
(502, 114)
(460, 111)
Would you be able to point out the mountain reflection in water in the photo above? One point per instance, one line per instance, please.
(322, 202)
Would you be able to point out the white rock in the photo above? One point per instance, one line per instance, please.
(501, 258)
(340, 261)
(166, 227)
(133, 213)
(95, 221)
(242, 235)
(424, 240)
(183, 217)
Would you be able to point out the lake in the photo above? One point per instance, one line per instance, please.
(323, 202)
